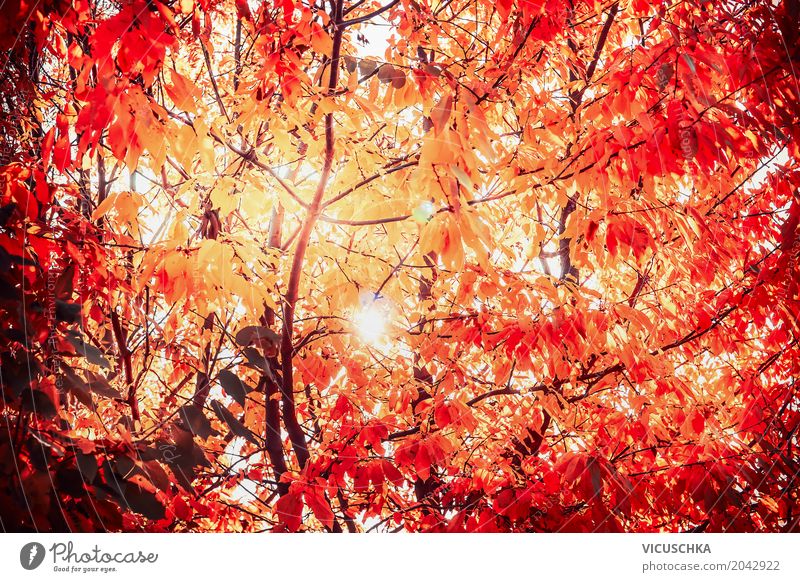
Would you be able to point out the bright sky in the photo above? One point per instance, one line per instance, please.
(377, 36)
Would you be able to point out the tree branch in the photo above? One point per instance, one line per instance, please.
(296, 434)
(370, 16)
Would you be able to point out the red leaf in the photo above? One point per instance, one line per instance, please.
(319, 505)
(392, 473)
(290, 511)
(698, 422)
(422, 462)
(611, 241)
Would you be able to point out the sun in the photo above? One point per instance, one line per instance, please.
(371, 322)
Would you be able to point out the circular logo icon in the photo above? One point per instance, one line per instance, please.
(31, 555)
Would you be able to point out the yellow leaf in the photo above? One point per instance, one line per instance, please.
(321, 42)
(223, 195)
(440, 114)
(431, 238)
(182, 92)
(462, 176)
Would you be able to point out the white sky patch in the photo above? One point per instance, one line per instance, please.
(758, 178)
(377, 34)
(246, 490)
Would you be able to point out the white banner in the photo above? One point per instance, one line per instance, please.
(400, 558)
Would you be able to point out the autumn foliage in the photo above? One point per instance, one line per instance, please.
(425, 265)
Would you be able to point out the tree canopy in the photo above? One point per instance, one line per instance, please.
(424, 265)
